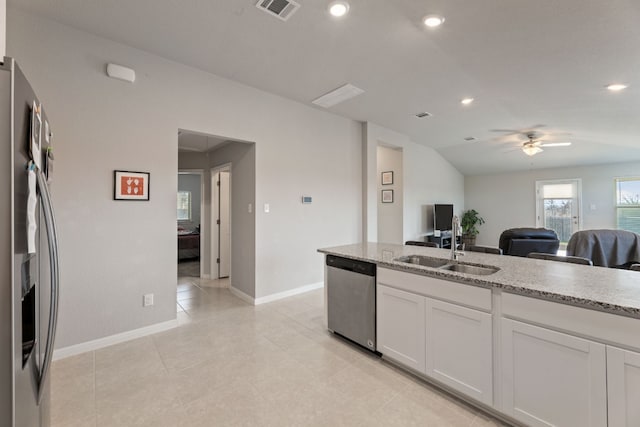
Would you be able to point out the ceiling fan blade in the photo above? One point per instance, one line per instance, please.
(554, 144)
(524, 131)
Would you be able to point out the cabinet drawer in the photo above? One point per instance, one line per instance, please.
(466, 295)
(608, 328)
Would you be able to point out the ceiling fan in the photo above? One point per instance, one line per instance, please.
(534, 146)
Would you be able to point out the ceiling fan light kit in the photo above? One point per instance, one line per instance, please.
(531, 149)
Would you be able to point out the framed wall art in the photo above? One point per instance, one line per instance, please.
(387, 196)
(131, 185)
(387, 178)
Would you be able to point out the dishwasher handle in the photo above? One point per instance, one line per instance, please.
(356, 266)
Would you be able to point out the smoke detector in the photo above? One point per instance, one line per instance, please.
(281, 9)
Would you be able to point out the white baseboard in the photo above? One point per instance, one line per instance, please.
(72, 350)
(275, 297)
(289, 293)
(244, 297)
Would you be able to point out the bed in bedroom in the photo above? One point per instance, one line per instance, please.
(188, 244)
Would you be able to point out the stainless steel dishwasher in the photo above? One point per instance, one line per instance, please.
(351, 300)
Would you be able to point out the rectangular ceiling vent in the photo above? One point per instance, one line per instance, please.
(282, 9)
(338, 95)
(423, 114)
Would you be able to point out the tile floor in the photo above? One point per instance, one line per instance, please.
(233, 364)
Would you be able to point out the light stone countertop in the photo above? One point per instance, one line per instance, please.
(597, 288)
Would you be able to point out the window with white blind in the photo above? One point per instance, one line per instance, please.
(184, 205)
(628, 204)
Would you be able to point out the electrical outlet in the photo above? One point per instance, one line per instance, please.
(147, 300)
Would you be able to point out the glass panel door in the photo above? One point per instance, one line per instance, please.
(558, 207)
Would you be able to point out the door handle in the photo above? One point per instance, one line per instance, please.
(52, 240)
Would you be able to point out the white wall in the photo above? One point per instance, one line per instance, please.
(114, 252)
(243, 223)
(191, 182)
(508, 200)
(390, 214)
(427, 179)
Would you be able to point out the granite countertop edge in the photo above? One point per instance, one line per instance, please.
(491, 282)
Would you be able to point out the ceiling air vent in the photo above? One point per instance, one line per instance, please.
(282, 9)
(470, 138)
(423, 115)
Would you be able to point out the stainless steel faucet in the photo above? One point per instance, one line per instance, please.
(455, 232)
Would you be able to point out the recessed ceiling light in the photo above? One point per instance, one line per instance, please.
(470, 138)
(615, 87)
(423, 114)
(466, 101)
(339, 8)
(433, 20)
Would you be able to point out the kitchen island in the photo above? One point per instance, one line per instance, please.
(540, 342)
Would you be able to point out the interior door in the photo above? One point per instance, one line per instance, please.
(558, 207)
(224, 225)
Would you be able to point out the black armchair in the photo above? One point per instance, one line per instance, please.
(522, 241)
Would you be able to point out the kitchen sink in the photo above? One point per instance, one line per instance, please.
(445, 264)
(470, 269)
(423, 260)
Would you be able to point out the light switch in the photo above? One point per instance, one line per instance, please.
(593, 207)
(250, 208)
(266, 208)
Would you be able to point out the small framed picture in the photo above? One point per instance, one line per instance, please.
(387, 178)
(387, 196)
(130, 185)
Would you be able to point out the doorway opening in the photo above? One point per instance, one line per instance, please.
(233, 241)
(390, 194)
(559, 207)
(221, 220)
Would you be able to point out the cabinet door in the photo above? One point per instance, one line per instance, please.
(459, 348)
(552, 379)
(400, 323)
(623, 387)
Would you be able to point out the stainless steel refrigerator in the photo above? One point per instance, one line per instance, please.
(29, 278)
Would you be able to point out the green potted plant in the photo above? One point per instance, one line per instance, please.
(470, 222)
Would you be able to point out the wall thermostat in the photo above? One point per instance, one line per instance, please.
(306, 199)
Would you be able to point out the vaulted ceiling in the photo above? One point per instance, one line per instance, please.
(539, 65)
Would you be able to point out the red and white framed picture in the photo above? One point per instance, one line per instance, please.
(130, 185)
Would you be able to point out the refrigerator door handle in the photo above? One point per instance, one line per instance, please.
(55, 278)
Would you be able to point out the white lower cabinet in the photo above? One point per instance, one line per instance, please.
(400, 323)
(459, 348)
(551, 378)
(447, 342)
(623, 387)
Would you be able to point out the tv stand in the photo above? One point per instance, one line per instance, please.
(444, 241)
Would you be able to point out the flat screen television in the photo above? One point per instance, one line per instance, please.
(442, 217)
